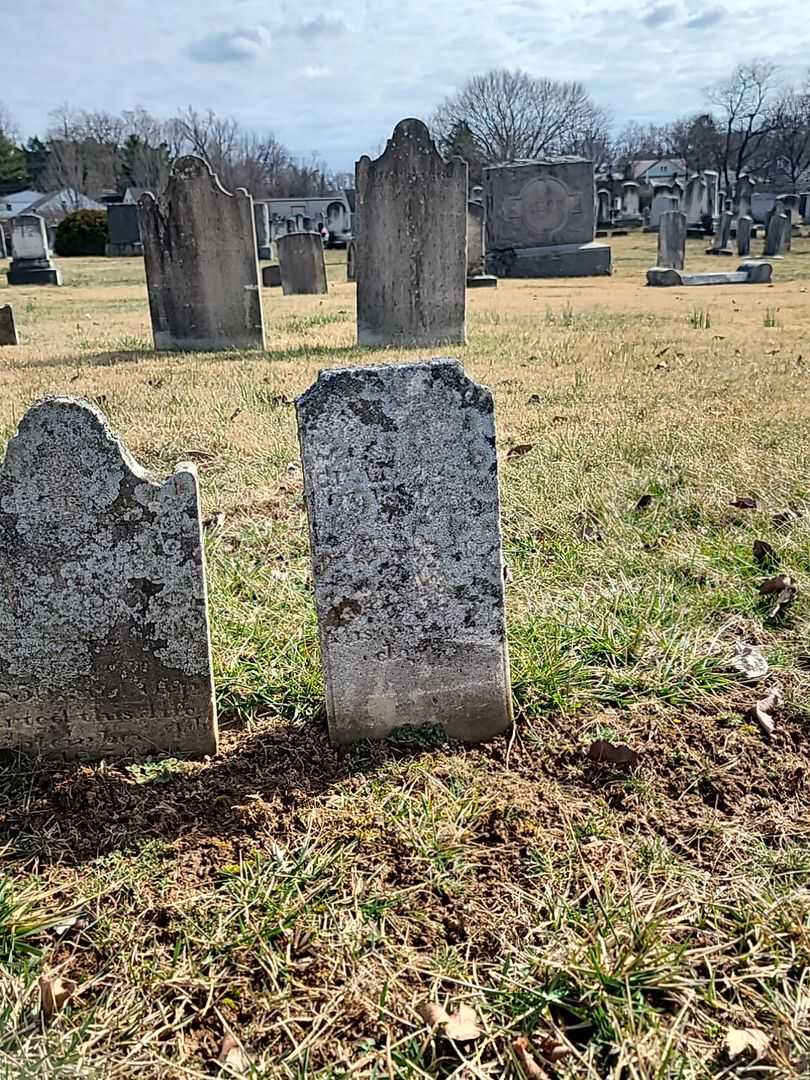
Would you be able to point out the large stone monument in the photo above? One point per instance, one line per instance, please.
(8, 328)
(123, 231)
(540, 220)
(30, 257)
(401, 486)
(301, 261)
(672, 240)
(411, 262)
(104, 647)
(202, 274)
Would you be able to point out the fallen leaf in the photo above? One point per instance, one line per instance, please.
(745, 502)
(552, 1049)
(522, 1050)
(764, 554)
(749, 661)
(54, 993)
(519, 450)
(588, 525)
(232, 1055)
(432, 1013)
(644, 502)
(235, 413)
(784, 588)
(460, 1026)
(664, 351)
(785, 518)
(761, 712)
(603, 751)
(738, 1040)
(663, 366)
(535, 399)
(214, 523)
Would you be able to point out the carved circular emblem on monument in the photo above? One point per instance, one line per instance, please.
(544, 206)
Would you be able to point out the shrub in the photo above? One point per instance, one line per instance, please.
(82, 233)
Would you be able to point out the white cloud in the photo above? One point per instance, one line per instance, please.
(229, 46)
(315, 72)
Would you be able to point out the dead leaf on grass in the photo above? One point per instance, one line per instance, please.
(738, 1040)
(522, 1050)
(588, 525)
(232, 1055)
(761, 713)
(785, 517)
(745, 502)
(460, 1026)
(606, 752)
(749, 662)
(214, 523)
(535, 399)
(54, 994)
(764, 555)
(519, 450)
(784, 589)
(644, 502)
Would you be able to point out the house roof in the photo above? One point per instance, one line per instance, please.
(19, 201)
(639, 168)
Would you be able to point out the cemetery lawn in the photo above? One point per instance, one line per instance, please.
(652, 919)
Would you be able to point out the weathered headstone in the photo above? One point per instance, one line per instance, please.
(805, 206)
(712, 182)
(351, 260)
(123, 231)
(695, 200)
(747, 273)
(722, 238)
(672, 240)
(743, 194)
(412, 261)
(778, 226)
(264, 244)
(3, 252)
(744, 226)
(30, 256)
(302, 265)
(762, 203)
(789, 207)
(8, 329)
(631, 199)
(540, 220)
(104, 647)
(603, 207)
(401, 485)
(662, 204)
(475, 239)
(202, 273)
(271, 276)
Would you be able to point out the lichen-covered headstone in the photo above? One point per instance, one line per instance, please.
(30, 255)
(722, 238)
(8, 329)
(401, 486)
(301, 264)
(411, 264)
(202, 273)
(104, 646)
(778, 225)
(672, 240)
(744, 229)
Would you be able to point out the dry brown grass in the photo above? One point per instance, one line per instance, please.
(308, 900)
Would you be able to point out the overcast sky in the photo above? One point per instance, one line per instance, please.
(335, 78)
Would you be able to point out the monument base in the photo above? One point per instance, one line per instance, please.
(271, 277)
(123, 251)
(482, 281)
(555, 261)
(33, 272)
(748, 273)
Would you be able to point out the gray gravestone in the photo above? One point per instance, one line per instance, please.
(540, 220)
(778, 226)
(8, 329)
(712, 182)
(264, 246)
(202, 274)
(672, 240)
(351, 260)
(695, 200)
(301, 261)
(3, 252)
(722, 238)
(123, 231)
(744, 226)
(475, 239)
(743, 194)
(411, 264)
(662, 204)
(104, 647)
(401, 485)
(748, 273)
(789, 207)
(631, 199)
(603, 207)
(271, 277)
(30, 256)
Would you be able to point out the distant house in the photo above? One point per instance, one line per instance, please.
(18, 203)
(52, 205)
(654, 171)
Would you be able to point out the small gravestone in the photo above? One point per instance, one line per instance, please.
(475, 239)
(401, 486)
(775, 233)
(104, 648)
(271, 276)
(411, 264)
(786, 206)
(672, 240)
(744, 226)
(264, 245)
(123, 231)
(30, 256)
(3, 252)
(631, 199)
(351, 260)
(301, 261)
(722, 239)
(662, 204)
(8, 329)
(202, 274)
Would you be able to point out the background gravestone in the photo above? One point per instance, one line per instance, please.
(8, 329)
(778, 225)
(30, 255)
(123, 231)
(540, 220)
(302, 265)
(271, 276)
(401, 484)
(695, 200)
(475, 239)
(672, 240)
(411, 264)
(104, 647)
(264, 244)
(202, 274)
(631, 199)
(722, 238)
(744, 227)
(3, 252)
(351, 260)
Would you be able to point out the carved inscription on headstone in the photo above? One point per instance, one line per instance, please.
(104, 647)
(401, 484)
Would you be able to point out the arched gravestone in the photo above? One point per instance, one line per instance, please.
(301, 264)
(104, 647)
(202, 272)
(411, 263)
(401, 487)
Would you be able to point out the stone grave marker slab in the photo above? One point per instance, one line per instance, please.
(30, 256)
(401, 486)
(672, 240)
(104, 647)
(302, 265)
(8, 328)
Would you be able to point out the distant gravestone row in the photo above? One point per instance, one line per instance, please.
(104, 642)
(672, 233)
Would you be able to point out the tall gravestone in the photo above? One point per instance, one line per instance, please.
(264, 245)
(789, 207)
(401, 486)
(662, 204)
(351, 260)
(631, 199)
(475, 239)
(3, 252)
(743, 194)
(104, 647)
(672, 240)
(302, 266)
(30, 256)
(805, 206)
(722, 238)
(712, 182)
(603, 207)
(123, 231)
(695, 200)
(778, 226)
(412, 262)
(8, 328)
(540, 219)
(744, 228)
(202, 273)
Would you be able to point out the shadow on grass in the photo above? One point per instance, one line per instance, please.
(129, 356)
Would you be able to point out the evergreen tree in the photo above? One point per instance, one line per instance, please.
(13, 176)
(36, 159)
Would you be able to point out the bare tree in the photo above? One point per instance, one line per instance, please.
(789, 142)
(743, 104)
(8, 125)
(511, 115)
